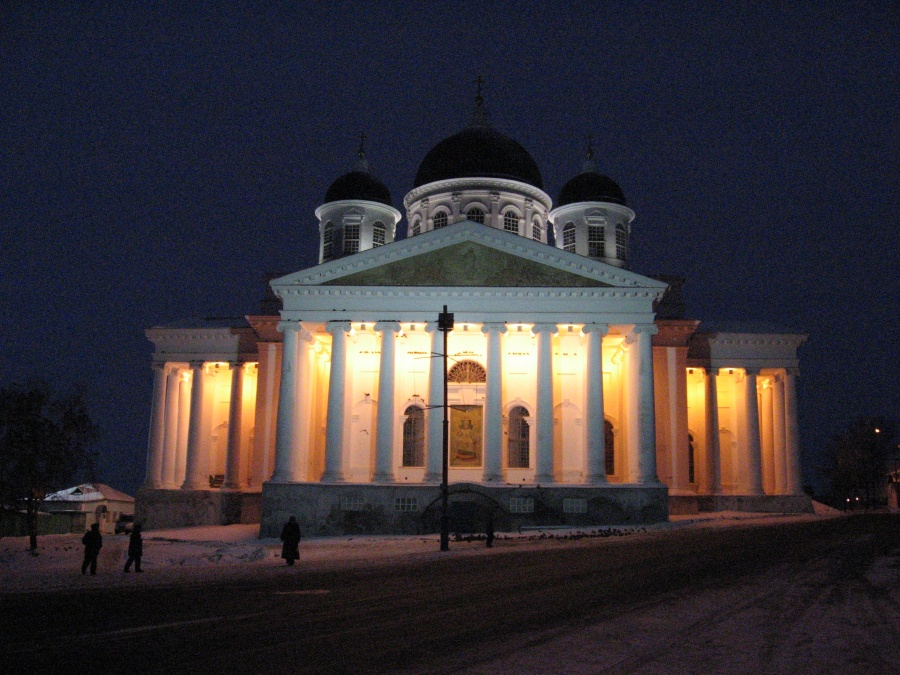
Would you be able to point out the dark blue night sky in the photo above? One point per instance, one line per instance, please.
(158, 162)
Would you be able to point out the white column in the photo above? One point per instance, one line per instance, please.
(334, 426)
(267, 402)
(184, 424)
(493, 404)
(778, 434)
(792, 437)
(170, 440)
(713, 462)
(157, 428)
(754, 452)
(767, 443)
(384, 436)
(546, 471)
(435, 446)
(235, 422)
(196, 472)
(596, 431)
(646, 470)
(287, 409)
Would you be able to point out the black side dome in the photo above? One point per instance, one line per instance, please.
(478, 152)
(591, 187)
(358, 185)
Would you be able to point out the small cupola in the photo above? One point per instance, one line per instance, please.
(592, 217)
(357, 213)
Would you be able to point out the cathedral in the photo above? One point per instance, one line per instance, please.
(569, 390)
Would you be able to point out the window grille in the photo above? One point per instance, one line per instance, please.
(595, 241)
(440, 220)
(537, 232)
(511, 222)
(574, 505)
(328, 240)
(378, 234)
(416, 227)
(467, 371)
(518, 439)
(406, 504)
(414, 437)
(351, 239)
(569, 237)
(521, 505)
(621, 242)
(353, 504)
(476, 215)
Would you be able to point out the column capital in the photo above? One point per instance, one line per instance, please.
(601, 328)
(158, 365)
(751, 371)
(293, 326)
(335, 327)
(197, 364)
(493, 327)
(645, 328)
(391, 326)
(544, 328)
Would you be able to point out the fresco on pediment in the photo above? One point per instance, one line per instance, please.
(466, 264)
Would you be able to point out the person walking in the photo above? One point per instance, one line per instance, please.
(290, 535)
(93, 542)
(135, 549)
(489, 538)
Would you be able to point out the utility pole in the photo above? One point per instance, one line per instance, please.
(445, 325)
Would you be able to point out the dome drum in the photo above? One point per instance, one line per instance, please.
(594, 229)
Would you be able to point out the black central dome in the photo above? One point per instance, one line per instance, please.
(358, 185)
(478, 152)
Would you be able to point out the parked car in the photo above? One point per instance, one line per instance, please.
(124, 524)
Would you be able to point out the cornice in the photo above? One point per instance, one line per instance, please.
(451, 185)
(580, 293)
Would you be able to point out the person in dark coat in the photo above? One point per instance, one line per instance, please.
(290, 535)
(490, 530)
(135, 549)
(93, 542)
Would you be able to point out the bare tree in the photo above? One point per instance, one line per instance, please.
(857, 462)
(44, 441)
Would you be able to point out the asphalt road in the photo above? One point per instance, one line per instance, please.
(803, 597)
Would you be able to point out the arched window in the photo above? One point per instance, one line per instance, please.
(351, 239)
(537, 232)
(518, 440)
(569, 237)
(476, 215)
(416, 227)
(440, 219)
(621, 242)
(511, 222)
(595, 241)
(414, 437)
(378, 234)
(327, 240)
(467, 371)
(692, 478)
(609, 440)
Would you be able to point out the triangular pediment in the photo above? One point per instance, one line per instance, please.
(468, 254)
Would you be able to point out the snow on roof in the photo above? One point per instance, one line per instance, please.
(88, 492)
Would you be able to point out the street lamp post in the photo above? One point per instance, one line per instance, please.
(445, 325)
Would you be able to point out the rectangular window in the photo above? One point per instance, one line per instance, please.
(574, 505)
(406, 504)
(595, 241)
(353, 504)
(351, 239)
(521, 505)
(378, 235)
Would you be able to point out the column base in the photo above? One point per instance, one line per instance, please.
(333, 477)
(545, 479)
(596, 480)
(383, 478)
(204, 485)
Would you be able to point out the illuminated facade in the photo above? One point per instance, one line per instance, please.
(578, 393)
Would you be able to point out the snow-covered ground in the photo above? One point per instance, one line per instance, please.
(201, 554)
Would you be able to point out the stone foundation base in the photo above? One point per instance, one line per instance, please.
(160, 509)
(756, 503)
(340, 509)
